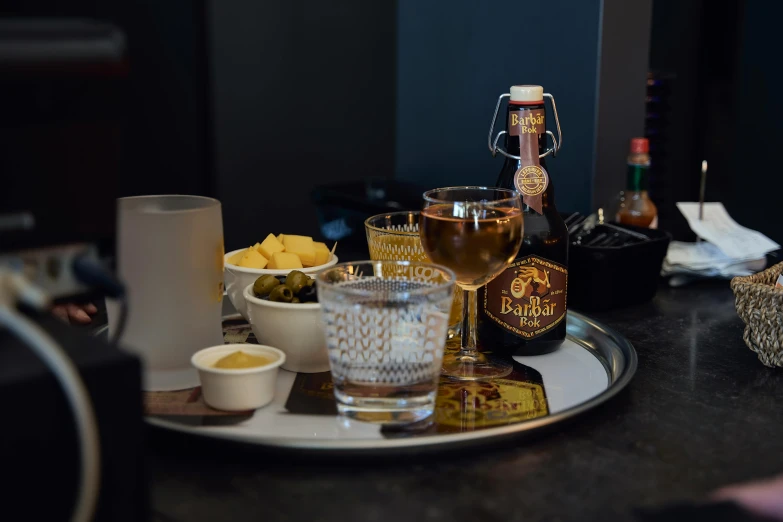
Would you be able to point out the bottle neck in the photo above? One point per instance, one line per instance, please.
(526, 139)
(517, 113)
(637, 178)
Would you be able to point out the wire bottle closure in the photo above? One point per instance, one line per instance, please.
(494, 148)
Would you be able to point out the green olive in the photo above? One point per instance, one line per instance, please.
(265, 284)
(295, 300)
(296, 280)
(310, 281)
(281, 294)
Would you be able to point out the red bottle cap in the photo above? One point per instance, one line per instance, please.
(640, 146)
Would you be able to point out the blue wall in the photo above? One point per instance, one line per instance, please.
(455, 58)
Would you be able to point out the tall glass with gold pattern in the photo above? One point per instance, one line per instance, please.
(395, 237)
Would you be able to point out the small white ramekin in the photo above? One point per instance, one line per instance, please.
(241, 389)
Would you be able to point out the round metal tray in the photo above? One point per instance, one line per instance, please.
(275, 427)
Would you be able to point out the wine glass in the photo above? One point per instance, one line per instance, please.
(476, 232)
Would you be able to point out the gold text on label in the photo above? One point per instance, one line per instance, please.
(531, 180)
(527, 124)
(528, 313)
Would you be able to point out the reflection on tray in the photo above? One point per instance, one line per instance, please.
(460, 406)
(470, 406)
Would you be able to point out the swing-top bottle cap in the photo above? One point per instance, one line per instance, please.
(527, 93)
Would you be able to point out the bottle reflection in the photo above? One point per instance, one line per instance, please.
(475, 405)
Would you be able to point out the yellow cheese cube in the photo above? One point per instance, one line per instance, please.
(257, 246)
(282, 260)
(301, 246)
(270, 246)
(252, 259)
(280, 237)
(236, 258)
(322, 253)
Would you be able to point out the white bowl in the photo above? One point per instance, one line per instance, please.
(295, 328)
(237, 278)
(241, 389)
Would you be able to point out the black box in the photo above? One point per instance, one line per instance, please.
(38, 445)
(342, 208)
(602, 278)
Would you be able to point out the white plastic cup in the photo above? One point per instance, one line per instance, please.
(170, 257)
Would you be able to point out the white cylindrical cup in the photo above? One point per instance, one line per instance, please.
(170, 257)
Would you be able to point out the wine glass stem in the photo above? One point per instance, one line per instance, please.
(469, 322)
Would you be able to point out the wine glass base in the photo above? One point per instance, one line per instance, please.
(470, 367)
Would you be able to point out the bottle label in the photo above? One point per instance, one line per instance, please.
(531, 180)
(529, 297)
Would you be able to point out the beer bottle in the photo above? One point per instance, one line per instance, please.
(523, 310)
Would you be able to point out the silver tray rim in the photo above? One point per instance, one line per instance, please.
(615, 352)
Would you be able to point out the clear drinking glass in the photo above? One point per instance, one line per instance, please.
(395, 236)
(476, 232)
(385, 326)
(170, 256)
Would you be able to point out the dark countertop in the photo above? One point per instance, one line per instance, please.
(702, 412)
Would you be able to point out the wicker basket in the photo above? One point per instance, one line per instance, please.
(760, 305)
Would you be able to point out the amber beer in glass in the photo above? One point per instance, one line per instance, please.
(523, 310)
(454, 241)
(476, 232)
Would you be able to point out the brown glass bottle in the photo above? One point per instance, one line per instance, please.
(523, 311)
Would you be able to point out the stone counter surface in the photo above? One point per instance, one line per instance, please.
(701, 412)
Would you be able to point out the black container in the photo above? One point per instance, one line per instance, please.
(603, 278)
(39, 444)
(343, 207)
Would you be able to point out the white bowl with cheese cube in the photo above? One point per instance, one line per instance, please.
(276, 255)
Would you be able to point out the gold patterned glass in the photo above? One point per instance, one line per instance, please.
(395, 237)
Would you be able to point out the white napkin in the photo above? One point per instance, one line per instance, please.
(717, 227)
(728, 250)
(689, 261)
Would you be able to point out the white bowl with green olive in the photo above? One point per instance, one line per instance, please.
(238, 277)
(284, 313)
